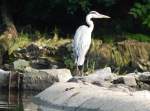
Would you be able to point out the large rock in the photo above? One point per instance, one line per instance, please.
(20, 64)
(4, 78)
(34, 79)
(143, 80)
(102, 74)
(40, 63)
(144, 77)
(101, 77)
(32, 51)
(43, 63)
(142, 64)
(63, 75)
(128, 80)
(81, 97)
(9, 79)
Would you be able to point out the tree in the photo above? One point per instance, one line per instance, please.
(142, 11)
(9, 33)
(10, 30)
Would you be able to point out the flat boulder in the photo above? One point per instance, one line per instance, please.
(144, 77)
(101, 74)
(62, 75)
(88, 97)
(101, 77)
(21, 64)
(34, 79)
(128, 80)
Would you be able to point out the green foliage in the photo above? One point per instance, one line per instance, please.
(108, 38)
(69, 58)
(85, 5)
(90, 65)
(40, 39)
(48, 6)
(107, 2)
(119, 59)
(21, 64)
(73, 5)
(93, 56)
(44, 9)
(20, 42)
(129, 36)
(139, 37)
(142, 11)
(69, 62)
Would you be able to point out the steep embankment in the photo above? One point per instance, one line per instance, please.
(128, 55)
(125, 56)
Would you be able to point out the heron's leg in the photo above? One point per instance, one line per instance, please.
(77, 67)
(81, 70)
(77, 70)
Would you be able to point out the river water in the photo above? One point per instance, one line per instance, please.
(13, 101)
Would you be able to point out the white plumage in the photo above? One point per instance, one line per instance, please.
(82, 38)
(81, 44)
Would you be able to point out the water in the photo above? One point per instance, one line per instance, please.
(13, 101)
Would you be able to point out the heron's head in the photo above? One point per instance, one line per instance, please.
(95, 14)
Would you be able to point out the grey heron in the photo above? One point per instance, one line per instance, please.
(82, 40)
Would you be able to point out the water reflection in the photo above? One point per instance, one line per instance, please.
(13, 101)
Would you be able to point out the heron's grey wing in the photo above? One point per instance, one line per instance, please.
(77, 43)
(82, 40)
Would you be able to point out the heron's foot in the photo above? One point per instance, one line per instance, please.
(81, 73)
(78, 73)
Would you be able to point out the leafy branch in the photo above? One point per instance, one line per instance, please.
(142, 11)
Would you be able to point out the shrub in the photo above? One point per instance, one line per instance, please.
(142, 11)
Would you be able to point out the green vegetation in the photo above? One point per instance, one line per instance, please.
(101, 53)
(139, 37)
(127, 36)
(122, 42)
(22, 41)
(52, 24)
(108, 38)
(142, 11)
(41, 40)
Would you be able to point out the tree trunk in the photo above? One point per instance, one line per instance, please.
(10, 30)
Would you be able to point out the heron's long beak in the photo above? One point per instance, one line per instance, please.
(103, 16)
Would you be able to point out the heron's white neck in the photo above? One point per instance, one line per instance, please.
(90, 22)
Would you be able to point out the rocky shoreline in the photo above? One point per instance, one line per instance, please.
(88, 97)
(100, 91)
(40, 79)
